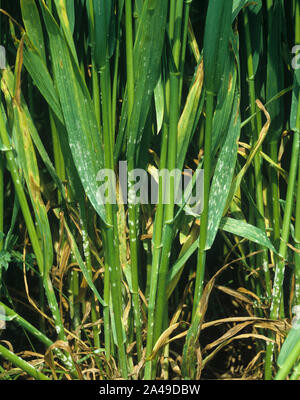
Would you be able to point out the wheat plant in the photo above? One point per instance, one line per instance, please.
(107, 268)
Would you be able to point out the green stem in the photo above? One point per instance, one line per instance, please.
(204, 216)
(168, 231)
(88, 260)
(132, 215)
(23, 365)
(113, 261)
(172, 100)
(297, 217)
(262, 258)
(275, 196)
(280, 267)
(297, 240)
(13, 316)
(157, 235)
(16, 318)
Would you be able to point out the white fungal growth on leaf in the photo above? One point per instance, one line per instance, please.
(296, 319)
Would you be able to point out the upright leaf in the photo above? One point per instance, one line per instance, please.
(223, 175)
(216, 42)
(78, 111)
(147, 59)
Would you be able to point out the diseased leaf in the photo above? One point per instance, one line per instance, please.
(80, 120)
(159, 104)
(62, 11)
(247, 231)
(82, 265)
(147, 59)
(223, 175)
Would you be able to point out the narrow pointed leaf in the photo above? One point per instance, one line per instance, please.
(223, 176)
(216, 42)
(84, 136)
(147, 58)
(247, 231)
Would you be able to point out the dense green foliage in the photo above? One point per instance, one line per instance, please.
(93, 290)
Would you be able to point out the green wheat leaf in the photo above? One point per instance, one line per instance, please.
(247, 231)
(81, 124)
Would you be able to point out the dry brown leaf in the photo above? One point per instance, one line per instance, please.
(230, 319)
(9, 345)
(246, 291)
(225, 343)
(253, 335)
(281, 324)
(234, 293)
(175, 367)
(126, 311)
(230, 333)
(199, 361)
(137, 368)
(162, 340)
(293, 248)
(280, 329)
(28, 353)
(253, 361)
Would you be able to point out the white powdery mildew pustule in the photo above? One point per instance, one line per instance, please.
(85, 246)
(85, 243)
(68, 363)
(57, 328)
(297, 288)
(265, 266)
(131, 223)
(131, 194)
(2, 57)
(296, 319)
(276, 292)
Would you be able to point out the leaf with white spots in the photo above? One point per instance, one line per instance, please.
(78, 111)
(247, 231)
(147, 58)
(223, 176)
